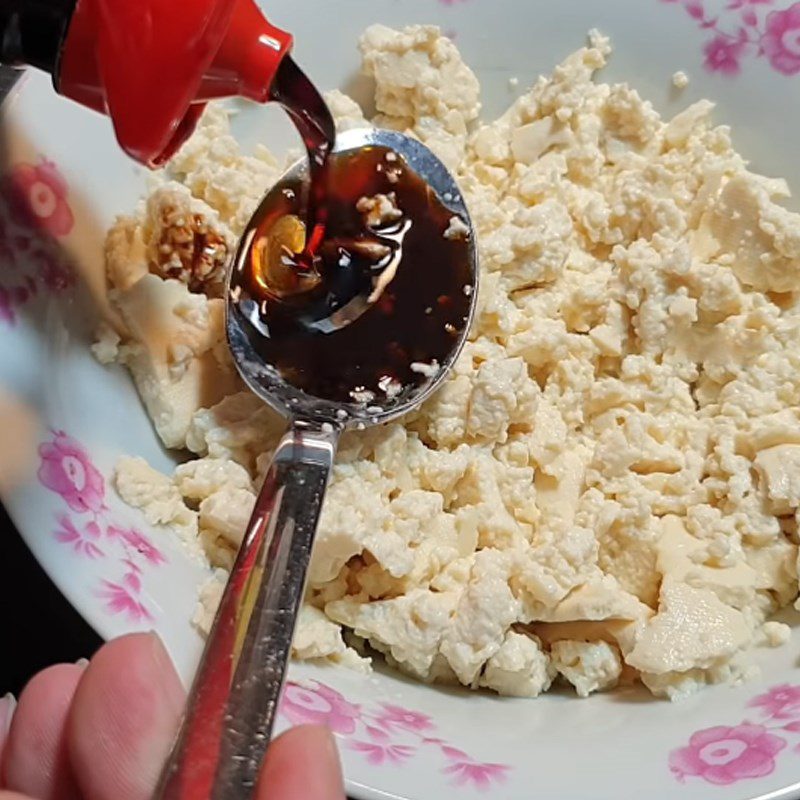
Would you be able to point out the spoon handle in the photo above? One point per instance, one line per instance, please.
(232, 704)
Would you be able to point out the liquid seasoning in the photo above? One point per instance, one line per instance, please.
(312, 118)
(385, 272)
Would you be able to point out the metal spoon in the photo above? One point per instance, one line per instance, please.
(233, 701)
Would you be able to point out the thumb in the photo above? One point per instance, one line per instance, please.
(302, 764)
(123, 719)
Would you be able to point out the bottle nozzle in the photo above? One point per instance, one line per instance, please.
(249, 55)
(152, 64)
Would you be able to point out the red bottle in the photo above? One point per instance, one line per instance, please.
(151, 65)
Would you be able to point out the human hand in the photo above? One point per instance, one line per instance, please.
(102, 731)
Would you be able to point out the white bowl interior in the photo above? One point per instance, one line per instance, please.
(609, 746)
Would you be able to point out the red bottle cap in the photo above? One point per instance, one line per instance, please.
(152, 64)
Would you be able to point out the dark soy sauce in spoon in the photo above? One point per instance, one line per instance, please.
(360, 306)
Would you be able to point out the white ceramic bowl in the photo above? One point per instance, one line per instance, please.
(65, 419)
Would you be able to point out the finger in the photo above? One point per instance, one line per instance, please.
(35, 760)
(12, 796)
(302, 764)
(124, 718)
(8, 705)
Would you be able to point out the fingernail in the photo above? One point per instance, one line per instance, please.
(8, 705)
(82, 663)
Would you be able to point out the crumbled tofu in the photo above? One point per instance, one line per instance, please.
(154, 493)
(520, 668)
(777, 634)
(239, 428)
(422, 84)
(456, 229)
(208, 601)
(597, 609)
(529, 142)
(408, 628)
(763, 238)
(693, 629)
(106, 344)
(317, 638)
(226, 512)
(680, 80)
(379, 210)
(143, 487)
(390, 386)
(199, 479)
(362, 395)
(606, 483)
(173, 346)
(588, 666)
(485, 610)
(347, 114)
(214, 169)
(186, 239)
(427, 369)
(779, 468)
(125, 252)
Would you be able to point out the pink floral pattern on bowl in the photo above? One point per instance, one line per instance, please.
(89, 529)
(319, 705)
(66, 470)
(37, 195)
(34, 215)
(385, 735)
(723, 754)
(747, 28)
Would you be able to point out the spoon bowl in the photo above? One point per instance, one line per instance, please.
(233, 701)
(264, 379)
